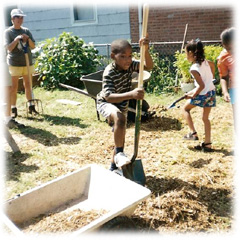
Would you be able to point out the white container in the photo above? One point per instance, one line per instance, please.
(146, 77)
(186, 87)
(90, 188)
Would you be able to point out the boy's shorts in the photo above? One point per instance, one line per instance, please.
(232, 93)
(20, 71)
(207, 100)
(105, 109)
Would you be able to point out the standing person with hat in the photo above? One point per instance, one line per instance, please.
(16, 38)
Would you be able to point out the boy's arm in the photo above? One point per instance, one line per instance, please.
(224, 86)
(137, 93)
(224, 79)
(148, 59)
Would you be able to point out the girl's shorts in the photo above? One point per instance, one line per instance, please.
(20, 71)
(207, 100)
(232, 93)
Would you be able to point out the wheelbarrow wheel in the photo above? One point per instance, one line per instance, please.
(120, 223)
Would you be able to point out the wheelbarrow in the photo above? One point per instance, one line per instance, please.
(89, 188)
(93, 85)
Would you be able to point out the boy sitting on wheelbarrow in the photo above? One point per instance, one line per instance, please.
(112, 101)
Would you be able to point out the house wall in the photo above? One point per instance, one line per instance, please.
(168, 23)
(112, 22)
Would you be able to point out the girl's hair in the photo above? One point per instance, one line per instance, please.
(196, 47)
(227, 36)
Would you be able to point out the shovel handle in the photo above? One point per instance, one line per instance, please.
(178, 100)
(140, 83)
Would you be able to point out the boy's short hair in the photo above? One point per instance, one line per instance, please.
(119, 46)
(227, 36)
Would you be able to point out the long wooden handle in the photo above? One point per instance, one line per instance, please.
(140, 83)
(142, 47)
(184, 37)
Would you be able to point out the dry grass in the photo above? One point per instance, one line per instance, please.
(191, 191)
(60, 222)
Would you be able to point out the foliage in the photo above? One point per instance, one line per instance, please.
(183, 66)
(65, 59)
(162, 77)
(211, 53)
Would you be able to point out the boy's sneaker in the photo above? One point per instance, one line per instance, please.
(121, 159)
(14, 124)
(14, 112)
(118, 172)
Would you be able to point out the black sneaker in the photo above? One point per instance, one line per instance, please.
(14, 112)
(32, 110)
(14, 124)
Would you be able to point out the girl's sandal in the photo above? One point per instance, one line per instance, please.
(207, 149)
(191, 136)
(203, 147)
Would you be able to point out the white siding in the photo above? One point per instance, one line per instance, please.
(46, 22)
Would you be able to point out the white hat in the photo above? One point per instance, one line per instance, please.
(17, 12)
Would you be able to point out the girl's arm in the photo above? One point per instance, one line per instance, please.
(212, 66)
(201, 85)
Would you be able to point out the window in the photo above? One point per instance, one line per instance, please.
(84, 14)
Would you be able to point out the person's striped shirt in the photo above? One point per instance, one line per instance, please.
(115, 81)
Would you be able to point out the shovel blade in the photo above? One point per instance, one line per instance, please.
(135, 172)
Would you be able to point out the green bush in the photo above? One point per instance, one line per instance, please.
(64, 60)
(162, 76)
(183, 66)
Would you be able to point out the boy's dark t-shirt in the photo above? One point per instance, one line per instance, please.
(115, 81)
(16, 56)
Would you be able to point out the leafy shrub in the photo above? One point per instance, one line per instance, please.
(162, 77)
(64, 60)
(183, 66)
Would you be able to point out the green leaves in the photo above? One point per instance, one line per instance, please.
(183, 66)
(65, 59)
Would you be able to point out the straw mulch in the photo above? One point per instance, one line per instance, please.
(60, 222)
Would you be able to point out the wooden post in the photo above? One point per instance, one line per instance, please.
(184, 38)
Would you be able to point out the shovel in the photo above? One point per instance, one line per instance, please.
(134, 170)
(175, 102)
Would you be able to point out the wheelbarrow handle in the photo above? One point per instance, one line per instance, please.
(77, 90)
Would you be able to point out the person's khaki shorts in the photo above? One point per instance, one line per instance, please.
(7, 77)
(20, 71)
